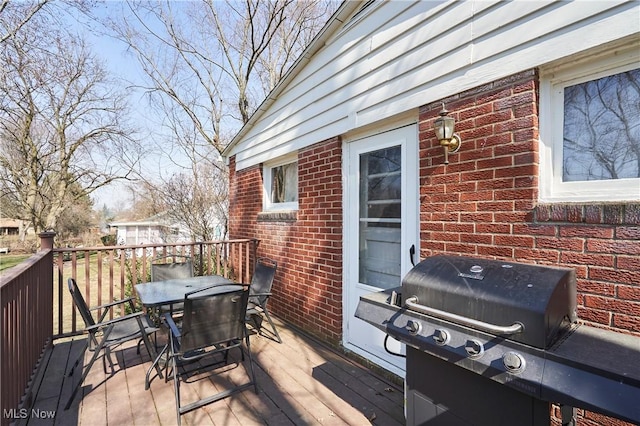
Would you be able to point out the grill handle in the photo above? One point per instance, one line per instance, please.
(517, 327)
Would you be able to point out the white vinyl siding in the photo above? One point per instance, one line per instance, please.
(401, 55)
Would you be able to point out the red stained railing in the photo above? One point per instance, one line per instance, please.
(105, 274)
(26, 292)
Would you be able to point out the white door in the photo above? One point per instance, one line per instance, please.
(381, 227)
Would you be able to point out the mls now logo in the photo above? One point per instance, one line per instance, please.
(23, 413)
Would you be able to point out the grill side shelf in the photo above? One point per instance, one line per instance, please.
(375, 308)
(597, 370)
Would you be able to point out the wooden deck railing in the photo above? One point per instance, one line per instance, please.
(105, 274)
(30, 321)
(26, 292)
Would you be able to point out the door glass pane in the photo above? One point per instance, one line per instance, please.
(380, 217)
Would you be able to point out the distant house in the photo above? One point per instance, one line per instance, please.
(154, 230)
(15, 227)
(340, 175)
(10, 226)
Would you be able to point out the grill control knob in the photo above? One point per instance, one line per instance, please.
(514, 362)
(474, 348)
(413, 327)
(441, 337)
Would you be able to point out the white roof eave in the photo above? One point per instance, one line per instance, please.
(335, 23)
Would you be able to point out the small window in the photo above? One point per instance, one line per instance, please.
(281, 184)
(590, 131)
(601, 139)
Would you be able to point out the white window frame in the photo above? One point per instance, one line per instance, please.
(266, 173)
(553, 80)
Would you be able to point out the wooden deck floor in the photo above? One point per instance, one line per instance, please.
(300, 382)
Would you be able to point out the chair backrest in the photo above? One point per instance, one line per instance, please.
(213, 318)
(170, 267)
(262, 279)
(82, 306)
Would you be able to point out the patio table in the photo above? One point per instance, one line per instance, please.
(167, 292)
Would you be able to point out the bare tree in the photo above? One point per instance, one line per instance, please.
(202, 208)
(16, 14)
(76, 220)
(62, 125)
(208, 65)
(183, 82)
(303, 21)
(188, 199)
(245, 30)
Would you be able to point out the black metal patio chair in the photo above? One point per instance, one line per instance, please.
(106, 333)
(259, 293)
(212, 323)
(171, 267)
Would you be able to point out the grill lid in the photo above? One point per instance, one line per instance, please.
(505, 294)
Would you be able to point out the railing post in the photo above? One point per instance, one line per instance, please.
(46, 240)
(254, 243)
(201, 258)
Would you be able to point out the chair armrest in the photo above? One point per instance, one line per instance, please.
(106, 307)
(114, 321)
(114, 303)
(175, 331)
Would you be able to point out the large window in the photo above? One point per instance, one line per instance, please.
(281, 184)
(590, 130)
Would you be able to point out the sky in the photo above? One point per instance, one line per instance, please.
(123, 64)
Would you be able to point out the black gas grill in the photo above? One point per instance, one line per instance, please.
(491, 342)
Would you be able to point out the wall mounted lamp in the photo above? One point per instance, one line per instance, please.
(444, 127)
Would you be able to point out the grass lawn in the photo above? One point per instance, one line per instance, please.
(10, 260)
(99, 283)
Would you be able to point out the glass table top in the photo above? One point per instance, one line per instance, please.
(166, 292)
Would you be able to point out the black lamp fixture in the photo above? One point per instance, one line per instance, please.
(444, 127)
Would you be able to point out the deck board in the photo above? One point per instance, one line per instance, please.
(300, 382)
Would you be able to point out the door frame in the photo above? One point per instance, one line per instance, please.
(409, 232)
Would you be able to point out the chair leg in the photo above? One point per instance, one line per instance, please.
(273, 327)
(155, 341)
(176, 388)
(155, 363)
(147, 344)
(253, 376)
(107, 355)
(176, 383)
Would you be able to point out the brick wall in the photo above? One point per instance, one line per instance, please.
(307, 244)
(484, 203)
